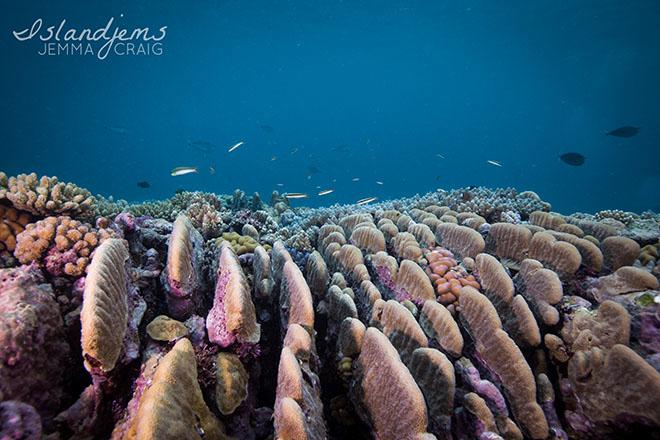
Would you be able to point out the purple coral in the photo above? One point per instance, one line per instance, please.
(19, 420)
(34, 354)
(216, 321)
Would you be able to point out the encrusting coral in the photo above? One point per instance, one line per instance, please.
(474, 313)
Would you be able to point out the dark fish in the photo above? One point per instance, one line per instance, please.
(311, 170)
(267, 128)
(144, 184)
(179, 191)
(624, 132)
(203, 146)
(573, 159)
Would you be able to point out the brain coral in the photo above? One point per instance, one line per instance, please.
(45, 195)
(63, 245)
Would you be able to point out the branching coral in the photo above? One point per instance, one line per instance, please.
(12, 223)
(45, 196)
(62, 245)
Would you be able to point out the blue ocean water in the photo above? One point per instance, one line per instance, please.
(323, 93)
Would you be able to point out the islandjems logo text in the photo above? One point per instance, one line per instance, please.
(101, 42)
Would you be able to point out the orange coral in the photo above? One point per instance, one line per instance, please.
(12, 223)
(447, 275)
(68, 243)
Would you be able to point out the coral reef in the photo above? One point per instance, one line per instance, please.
(45, 196)
(62, 245)
(474, 313)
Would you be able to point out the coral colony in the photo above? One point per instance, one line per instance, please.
(470, 314)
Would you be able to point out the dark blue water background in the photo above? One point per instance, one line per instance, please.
(356, 89)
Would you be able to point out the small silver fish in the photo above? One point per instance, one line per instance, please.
(356, 179)
(296, 195)
(180, 171)
(440, 156)
(494, 162)
(274, 158)
(326, 192)
(280, 184)
(211, 170)
(378, 182)
(235, 146)
(366, 200)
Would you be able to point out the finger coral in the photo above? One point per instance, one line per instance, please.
(508, 241)
(45, 196)
(542, 288)
(62, 245)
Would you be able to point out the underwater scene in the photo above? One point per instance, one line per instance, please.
(292, 220)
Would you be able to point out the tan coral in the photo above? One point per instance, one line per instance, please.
(508, 241)
(637, 396)
(400, 326)
(317, 275)
(164, 328)
(299, 341)
(560, 256)
(626, 279)
(368, 239)
(603, 328)
(592, 257)
(461, 240)
(542, 288)
(12, 223)
(231, 387)
(393, 400)
(505, 359)
(546, 220)
(351, 335)
(423, 234)
(406, 246)
(239, 310)
(60, 236)
(619, 252)
(340, 304)
(349, 222)
(172, 407)
(262, 283)
(289, 420)
(437, 323)
(104, 314)
(434, 374)
(46, 195)
(348, 257)
(296, 298)
(412, 279)
(570, 229)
